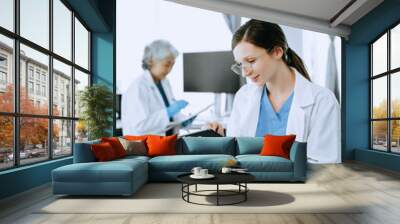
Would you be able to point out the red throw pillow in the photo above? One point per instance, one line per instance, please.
(161, 145)
(116, 145)
(277, 145)
(103, 151)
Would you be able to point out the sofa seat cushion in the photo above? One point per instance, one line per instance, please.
(133, 158)
(111, 171)
(185, 163)
(257, 163)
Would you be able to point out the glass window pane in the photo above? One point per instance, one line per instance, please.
(379, 135)
(7, 14)
(379, 55)
(6, 142)
(395, 136)
(62, 138)
(81, 81)
(395, 47)
(33, 139)
(379, 98)
(395, 94)
(6, 74)
(34, 97)
(81, 45)
(62, 29)
(35, 21)
(81, 131)
(62, 89)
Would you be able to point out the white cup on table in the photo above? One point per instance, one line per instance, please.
(203, 172)
(226, 170)
(196, 170)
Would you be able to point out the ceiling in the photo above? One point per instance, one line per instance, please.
(326, 16)
(321, 9)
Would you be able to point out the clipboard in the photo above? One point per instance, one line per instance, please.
(203, 133)
(174, 124)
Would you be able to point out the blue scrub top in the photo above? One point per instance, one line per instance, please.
(269, 121)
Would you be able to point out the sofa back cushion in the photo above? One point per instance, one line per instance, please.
(206, 145)
(249, 145)
(83, 152)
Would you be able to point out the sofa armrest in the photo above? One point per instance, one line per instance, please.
(83, 152)
(298, 155)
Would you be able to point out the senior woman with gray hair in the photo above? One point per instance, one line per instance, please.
(148, 106)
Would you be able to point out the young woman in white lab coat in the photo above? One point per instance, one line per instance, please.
(148, 105)
(279, 80)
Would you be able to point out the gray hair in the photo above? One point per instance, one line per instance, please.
(158, 50)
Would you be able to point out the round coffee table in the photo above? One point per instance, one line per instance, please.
(238, 179)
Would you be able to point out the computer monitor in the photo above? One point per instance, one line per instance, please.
(209, 72)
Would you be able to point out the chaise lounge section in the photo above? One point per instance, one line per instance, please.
(88, 177)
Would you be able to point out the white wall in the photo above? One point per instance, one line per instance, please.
(138, 25)
(194, 30)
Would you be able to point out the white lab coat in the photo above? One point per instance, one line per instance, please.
(314, 117)
(142, 108)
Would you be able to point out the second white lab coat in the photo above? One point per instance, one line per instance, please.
(314, 117)
(142, 108)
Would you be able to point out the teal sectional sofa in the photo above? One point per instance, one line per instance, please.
(125, 176)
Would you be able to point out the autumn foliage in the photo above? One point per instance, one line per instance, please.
(380, 127)
(33, 131)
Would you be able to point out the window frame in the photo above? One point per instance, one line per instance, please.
(31, 88)
(3, 74)
(3, 71)
(5, 58)
(16, 114)
(388, 74)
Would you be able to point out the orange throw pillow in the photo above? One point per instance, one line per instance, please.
(116, 145)
(136, 137)
(277, 145)
(161, 145)
(103, 152)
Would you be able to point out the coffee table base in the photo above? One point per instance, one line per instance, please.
(242, 191)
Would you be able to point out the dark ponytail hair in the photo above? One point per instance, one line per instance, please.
(268, 36)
